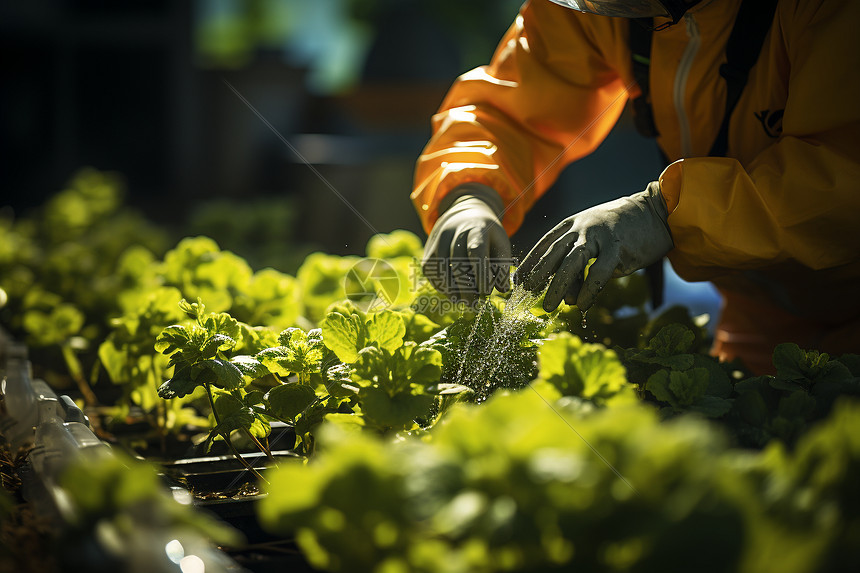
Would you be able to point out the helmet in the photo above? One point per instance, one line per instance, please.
(673, 9)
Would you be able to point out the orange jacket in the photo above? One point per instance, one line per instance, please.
(779, 216)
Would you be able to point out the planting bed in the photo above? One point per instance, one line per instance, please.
(51, 434)
(391, 431)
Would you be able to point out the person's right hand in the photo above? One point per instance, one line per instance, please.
(468, 251)
(621, 236)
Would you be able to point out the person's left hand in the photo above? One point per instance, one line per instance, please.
(622, 236)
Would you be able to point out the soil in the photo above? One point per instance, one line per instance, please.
(26, 539)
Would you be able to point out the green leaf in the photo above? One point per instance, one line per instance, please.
(423, 366)
(216, 343)
(180, 384)
(553, 357)
(669, 348)
(340, 380)
(343, 335)
(397, 412)
(321, 278)
(289, 400)
(786, 385)
(250, 366)
(115, 488)
(688, 387)
(678, 389)
(410, 365)
(418, 327)
(172, 338)
(277, 359)
(754, 384)
(257, 338)
(300, 352)
(445, 389)
(834, 372)
(271, 298)
(192, 310)
(673, 361)
(260, 428)
(658, 385)
(114, 359)
(386, 329)
(188, 345)
(711, 406)
(253, 398)
(285, 337)
(580, 369)
(55, 326)
(223, 324)
(752, 408)
(672, 339)
(808, 368)
(797, 405)
(719, 383)
(221, 373)
(232, 413)
(346, 422)
(789, 361)
(398, 243)
(316, 412)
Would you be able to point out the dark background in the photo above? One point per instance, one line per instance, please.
(139, 87)
(142, 88)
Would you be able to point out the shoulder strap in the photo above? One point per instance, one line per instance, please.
(742, 50)
(640, 52)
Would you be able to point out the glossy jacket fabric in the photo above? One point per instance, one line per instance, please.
(775, 224)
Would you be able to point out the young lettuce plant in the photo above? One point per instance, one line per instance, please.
(392, 377)
(495, 348)
(803, 392)
(198, 354)
(126, 355)
(757, 409)
(305, 401)
(590, 372)
(678, 377)
(277, 378)
(51, 322)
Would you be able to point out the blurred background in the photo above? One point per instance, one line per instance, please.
(162, 93)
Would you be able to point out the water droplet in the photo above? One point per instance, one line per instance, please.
(485, 360)
(583, 324)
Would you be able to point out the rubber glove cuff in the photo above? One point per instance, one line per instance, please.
(468, 191)
(468, 252)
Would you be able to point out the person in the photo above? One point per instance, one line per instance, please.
(774, 224)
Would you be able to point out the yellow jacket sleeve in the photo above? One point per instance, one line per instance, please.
(798, 199)
(549, 96)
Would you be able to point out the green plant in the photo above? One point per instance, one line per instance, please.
(58, 268)
(627, 452)
(116, 509)
(529, 481)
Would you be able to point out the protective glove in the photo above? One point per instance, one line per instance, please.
(468, 251)
(623, 236)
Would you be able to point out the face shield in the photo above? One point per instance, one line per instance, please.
(673, 9)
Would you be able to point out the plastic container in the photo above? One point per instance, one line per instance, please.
(71, 412)
(19, 398)
(59, 443)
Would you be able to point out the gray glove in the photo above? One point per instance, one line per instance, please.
(623, 236)
(468, 251)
